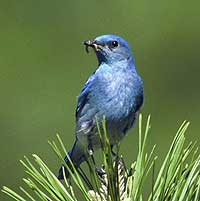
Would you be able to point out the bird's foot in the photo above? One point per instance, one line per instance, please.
(100, 171)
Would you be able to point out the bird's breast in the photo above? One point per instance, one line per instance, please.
(118, 93)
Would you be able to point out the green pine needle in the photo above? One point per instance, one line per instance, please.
(178, 178)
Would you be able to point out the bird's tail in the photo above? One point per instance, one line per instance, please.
(76, 155)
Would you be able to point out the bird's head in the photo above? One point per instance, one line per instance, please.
(109, 48)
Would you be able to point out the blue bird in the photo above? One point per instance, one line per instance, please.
(114, 90)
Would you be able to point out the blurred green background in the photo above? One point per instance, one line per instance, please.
(43, 66)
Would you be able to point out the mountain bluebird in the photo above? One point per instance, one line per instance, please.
(113, 91)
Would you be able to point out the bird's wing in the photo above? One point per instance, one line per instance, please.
(139, 100)
(83, 97)
(85, 111)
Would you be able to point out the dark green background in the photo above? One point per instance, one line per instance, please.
(43, 66)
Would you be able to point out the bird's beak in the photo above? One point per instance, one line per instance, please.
(92, 43)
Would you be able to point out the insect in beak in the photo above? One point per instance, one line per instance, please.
(93, 44)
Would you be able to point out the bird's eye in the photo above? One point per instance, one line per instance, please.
(114, 43)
